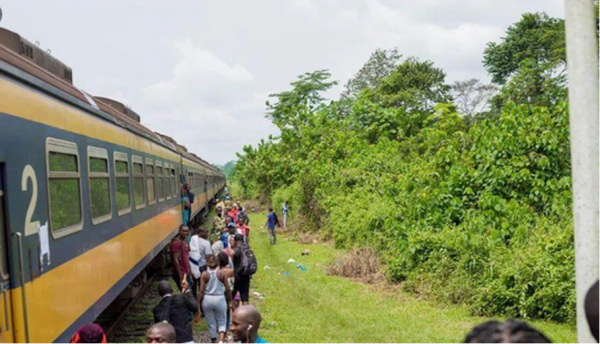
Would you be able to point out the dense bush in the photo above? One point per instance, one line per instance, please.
(471, 211)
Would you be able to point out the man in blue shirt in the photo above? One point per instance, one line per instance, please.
(271, 222)
(245, 322)
(226, 233)
(190, 196)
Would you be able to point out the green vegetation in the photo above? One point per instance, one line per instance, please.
(64, 193)
(464, 208)
(100, 196)
(65, 204)
(309, 306)
(138, 190)
(228, 169)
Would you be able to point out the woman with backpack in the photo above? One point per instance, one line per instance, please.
(213, 294)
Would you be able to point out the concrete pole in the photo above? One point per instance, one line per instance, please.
(582, 67)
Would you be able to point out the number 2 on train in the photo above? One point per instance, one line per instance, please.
(31, 227)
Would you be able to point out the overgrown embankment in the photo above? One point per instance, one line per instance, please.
(308, 306)
(470, 208)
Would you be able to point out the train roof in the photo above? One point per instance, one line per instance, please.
(25, 56)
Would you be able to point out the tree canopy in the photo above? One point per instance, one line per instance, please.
(464, 190)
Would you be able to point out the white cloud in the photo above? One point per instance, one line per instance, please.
(208, 91)
(458, 49)
(206, 104)
(199, 77)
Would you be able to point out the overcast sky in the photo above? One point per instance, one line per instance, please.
(200, 71)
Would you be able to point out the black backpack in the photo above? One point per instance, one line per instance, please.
(249, 264)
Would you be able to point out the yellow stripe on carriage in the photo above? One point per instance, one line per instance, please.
(29, 104)
(58, 298)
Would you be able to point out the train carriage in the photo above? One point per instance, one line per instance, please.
(88, 197)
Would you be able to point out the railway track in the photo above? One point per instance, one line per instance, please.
(127, 318)
(119, 316)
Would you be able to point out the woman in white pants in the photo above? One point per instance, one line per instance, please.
(214, 287)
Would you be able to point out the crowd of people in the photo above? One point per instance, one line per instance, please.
(213, 270)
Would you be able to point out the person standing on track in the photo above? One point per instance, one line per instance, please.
(180, 255)
(213, 295)
(272, 221)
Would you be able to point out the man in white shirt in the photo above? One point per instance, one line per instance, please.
(199, 248)
(285, 211)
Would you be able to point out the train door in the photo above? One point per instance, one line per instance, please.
(6, 328)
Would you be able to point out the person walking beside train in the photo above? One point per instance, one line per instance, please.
(233, 212)
(220, 207)
(243, 229)
(213, 295)
(244, 266)
(200, 248)
(218, 221)
(180, 255)
(242, 215)
(175, 309)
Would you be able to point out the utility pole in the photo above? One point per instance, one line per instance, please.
(582, 67)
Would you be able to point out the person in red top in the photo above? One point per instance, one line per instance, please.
(89, 333)
(180, 255)
(243, 229)
(233, 212)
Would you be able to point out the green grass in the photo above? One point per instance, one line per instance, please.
(309, 306)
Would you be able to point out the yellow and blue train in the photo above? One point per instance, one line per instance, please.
(88, 196)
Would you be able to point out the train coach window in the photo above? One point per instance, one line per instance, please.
(122, 183)
(64, 187)
(173, 182)
(150, 181)
(168, 181)
(99, 185)
(138, 182)
(159, 182)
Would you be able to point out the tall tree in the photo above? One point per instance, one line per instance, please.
(415, 86)
(536, 39)
(380, 65)
(472, 96)
(530, 62)
(292, 107)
